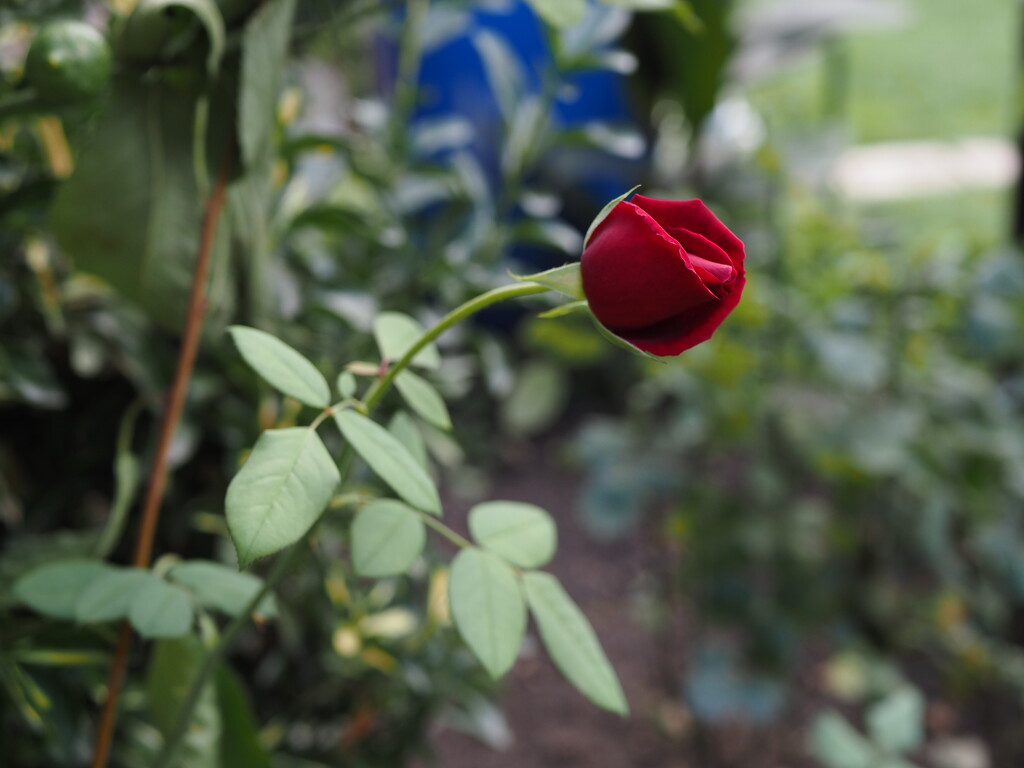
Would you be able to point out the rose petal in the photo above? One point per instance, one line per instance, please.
(710, 261)
(694, 216)
(685, 330)
(635, 274)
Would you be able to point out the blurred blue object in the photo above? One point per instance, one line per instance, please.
(718, 690)
(482, 63)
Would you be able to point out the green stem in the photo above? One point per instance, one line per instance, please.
(410, 54)
(216, 653)
(125, 483)
(457, 315)
(376, 393)
(453, 536)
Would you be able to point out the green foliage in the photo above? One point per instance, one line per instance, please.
(408, 434)
(346, 384)
(280, 492)
(896, 722)
(154, 29)
(536, 399)
(423, 399)
(566, 279)
(571, 642)
(217, 586)
(396, 333)
(160, 610)
(836, 743)
(523, 534)
(390, 460)
(387, 536)
(130, 213)
(284, 368)
(54, 589)
(895, 725)
(488, 608)
(223, 732)
(264, 59)
(110, 595)
(560, 13)
(601, 216)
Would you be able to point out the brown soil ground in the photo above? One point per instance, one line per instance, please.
(553, 725)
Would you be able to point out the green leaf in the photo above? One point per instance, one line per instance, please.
(603, 214)
(408, 434)
(696, 41)
(487, 607)
(172, 668)
(284, 368)
(240, 745)
(54, 588)
(644, 5)
(264, 56)
(131, 211)
(571, 642)
(346, 384)
(504, 73)
(396, 333)
(23, 554)
(109, 596)
(560, 13)
(537, 398)
(835, 743)
(523, 534)
(423, 399)
(279, 492)
(160, 610)
(217, 586)
(687, 16)
(565, 280)
(896, 723)
(547, 233)
(565, 309)
(387, 536)
(152, 26)
(390, 460)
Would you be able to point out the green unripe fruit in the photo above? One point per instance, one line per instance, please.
(68, 61)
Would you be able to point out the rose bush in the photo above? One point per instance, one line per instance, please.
(662, 274)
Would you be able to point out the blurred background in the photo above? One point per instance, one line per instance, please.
(801, 543)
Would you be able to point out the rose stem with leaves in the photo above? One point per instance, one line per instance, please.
(168, 426)
(284, 563)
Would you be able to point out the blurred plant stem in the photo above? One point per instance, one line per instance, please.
(515, 166)
(410, 54)
(284, 563)
(159, 470)
(456, 316)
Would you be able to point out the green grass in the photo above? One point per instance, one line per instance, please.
(950, 72)
(976, 219)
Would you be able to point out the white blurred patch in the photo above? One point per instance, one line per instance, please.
(908, 169)
(735, 126)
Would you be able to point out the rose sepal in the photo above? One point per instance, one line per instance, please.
(565, 280)
(565, 309)
(620, 342)
(603, 214)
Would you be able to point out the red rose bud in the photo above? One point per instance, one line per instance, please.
(662, 274)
